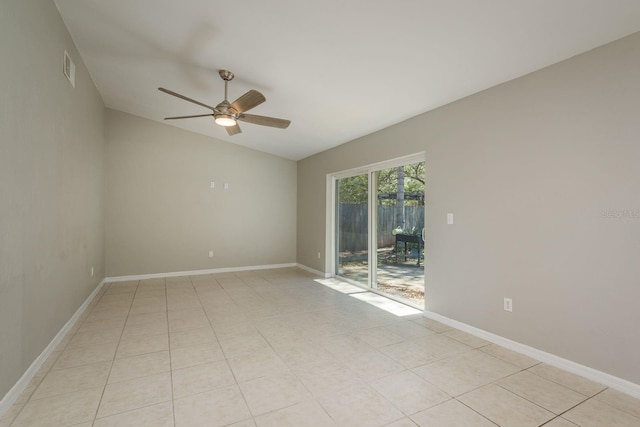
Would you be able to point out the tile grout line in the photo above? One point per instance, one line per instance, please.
(588, 398)
(95, 417)
(611, 406)
(173, 400)
(482, 415)
(244, 398)
(546, 409)
(128, 357)
(311, 395)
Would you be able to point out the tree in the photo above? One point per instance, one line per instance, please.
(354, 190)
(400, 197)
(413, 182)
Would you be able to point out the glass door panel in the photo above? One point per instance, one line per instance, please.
(399, 266)
(352, 228)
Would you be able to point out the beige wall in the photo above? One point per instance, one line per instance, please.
(531, 169)
(51, 184)
(161, 215)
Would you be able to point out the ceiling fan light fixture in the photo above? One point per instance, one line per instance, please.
(225, 120)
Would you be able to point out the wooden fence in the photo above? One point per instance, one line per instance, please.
(353, 225)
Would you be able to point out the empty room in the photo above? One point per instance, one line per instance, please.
(277, 213)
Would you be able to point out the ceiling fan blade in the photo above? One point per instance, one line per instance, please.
(188, 117)
(265, 121)
(170, 92)
(249, 100)
(233, 130)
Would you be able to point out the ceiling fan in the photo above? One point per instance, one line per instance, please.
(228, 114)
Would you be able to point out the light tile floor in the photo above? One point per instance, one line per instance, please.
(276, 348)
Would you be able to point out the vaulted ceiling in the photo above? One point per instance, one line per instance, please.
(338, 69)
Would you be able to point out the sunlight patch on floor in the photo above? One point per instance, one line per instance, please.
(363, 295)
(340, 286)
(386, 304)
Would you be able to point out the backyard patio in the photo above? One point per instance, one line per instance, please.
(395, 276)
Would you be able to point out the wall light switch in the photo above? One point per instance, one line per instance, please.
(449, 218)
(210, 254)
(212, 184)
(226, 185)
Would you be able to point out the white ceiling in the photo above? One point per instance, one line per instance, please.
(338, 69)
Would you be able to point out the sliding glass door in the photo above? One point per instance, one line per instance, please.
(379, 229)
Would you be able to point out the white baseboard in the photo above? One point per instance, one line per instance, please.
(314, 271)
(13, 394)
(197, 272)
(600, 377)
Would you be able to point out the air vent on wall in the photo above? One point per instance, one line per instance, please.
(69, 69)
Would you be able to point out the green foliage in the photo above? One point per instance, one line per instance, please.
(413, 179)
(354, 189)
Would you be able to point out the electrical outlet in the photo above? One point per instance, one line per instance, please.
(226, 185)
(508, 304)
(210, 254)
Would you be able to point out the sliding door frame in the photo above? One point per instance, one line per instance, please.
(331, 251)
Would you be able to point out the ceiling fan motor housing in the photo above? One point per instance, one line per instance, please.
(226, 75)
